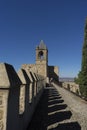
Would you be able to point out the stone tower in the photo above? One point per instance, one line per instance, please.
(42, 58)
(41, 66)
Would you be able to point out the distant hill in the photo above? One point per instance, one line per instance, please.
(63, 79)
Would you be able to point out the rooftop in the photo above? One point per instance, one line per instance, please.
(42, 45)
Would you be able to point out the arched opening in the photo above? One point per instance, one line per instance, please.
(41, 55)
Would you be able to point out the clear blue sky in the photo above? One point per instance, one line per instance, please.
(60, 23)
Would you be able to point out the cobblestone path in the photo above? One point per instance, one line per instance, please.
(54, 111)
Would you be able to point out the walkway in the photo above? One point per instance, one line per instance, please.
(52, 112)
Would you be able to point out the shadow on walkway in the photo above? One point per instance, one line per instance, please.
(48, 113)
(68, 126)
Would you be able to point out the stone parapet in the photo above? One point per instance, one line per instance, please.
(8, 76)
(19, 95)
(24, 77)
(71, 86)
(9, 97)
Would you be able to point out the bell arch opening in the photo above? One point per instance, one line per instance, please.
(41, 55)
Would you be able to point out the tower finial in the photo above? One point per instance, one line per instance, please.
(42, 45)
(41, 41)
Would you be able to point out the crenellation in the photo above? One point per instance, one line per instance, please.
(21, 91)
(19, 97)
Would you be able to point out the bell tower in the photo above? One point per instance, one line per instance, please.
(42, 59)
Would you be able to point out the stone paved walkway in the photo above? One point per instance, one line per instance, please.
(52, 113)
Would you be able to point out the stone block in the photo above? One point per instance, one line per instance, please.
(8, 76)
(37, 77)
(29, 75)
(23, 76)
(34, 76)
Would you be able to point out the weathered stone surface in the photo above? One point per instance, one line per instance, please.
(8, 76)
(23, 76)
(71, 86)
(34, 76)
(22, 99)
(37, 76)
(59, 109)
(3, 108)
(76, 105)
(29, 75)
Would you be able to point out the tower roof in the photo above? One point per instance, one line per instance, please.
(42, 45)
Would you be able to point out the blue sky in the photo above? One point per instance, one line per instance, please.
(60, 23)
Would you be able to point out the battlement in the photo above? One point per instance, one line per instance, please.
(19, 95)
(20, 91)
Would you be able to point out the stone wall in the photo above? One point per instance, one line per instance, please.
(71, 86)
(19, 95)
(53, 72)
(39, 68)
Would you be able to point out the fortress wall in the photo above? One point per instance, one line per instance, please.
(53, 72)
(19, 95)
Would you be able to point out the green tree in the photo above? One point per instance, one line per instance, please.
(76, 80)
(82, 76)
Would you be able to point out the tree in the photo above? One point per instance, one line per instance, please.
(76, 80)
(82, 76)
